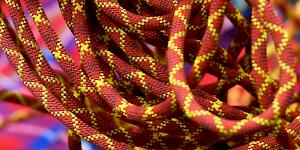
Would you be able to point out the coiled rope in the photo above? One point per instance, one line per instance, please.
(125, 95)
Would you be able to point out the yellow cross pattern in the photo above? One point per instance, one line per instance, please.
(261, 144)
(180, 15)
(121, 108)
(132, 80)
(94, 137)
(201, 59)
(211, 19)
(78, 7)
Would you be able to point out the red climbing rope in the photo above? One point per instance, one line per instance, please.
(125, 95)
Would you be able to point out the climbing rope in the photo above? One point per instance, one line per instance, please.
(124, 94)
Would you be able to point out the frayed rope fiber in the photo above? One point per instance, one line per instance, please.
(126, 94)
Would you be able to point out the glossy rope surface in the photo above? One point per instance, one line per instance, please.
(125, 95)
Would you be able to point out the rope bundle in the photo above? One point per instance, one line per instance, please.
(125, 95)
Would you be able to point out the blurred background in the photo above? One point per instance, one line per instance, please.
(22, 128)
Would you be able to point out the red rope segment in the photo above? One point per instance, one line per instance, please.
(126, 95)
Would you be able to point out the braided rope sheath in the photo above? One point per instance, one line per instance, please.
(124, 95)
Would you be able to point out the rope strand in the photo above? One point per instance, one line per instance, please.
(125, 94)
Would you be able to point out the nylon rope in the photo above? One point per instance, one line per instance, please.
(125, 95)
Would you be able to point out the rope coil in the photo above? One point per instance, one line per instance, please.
(124, 94)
